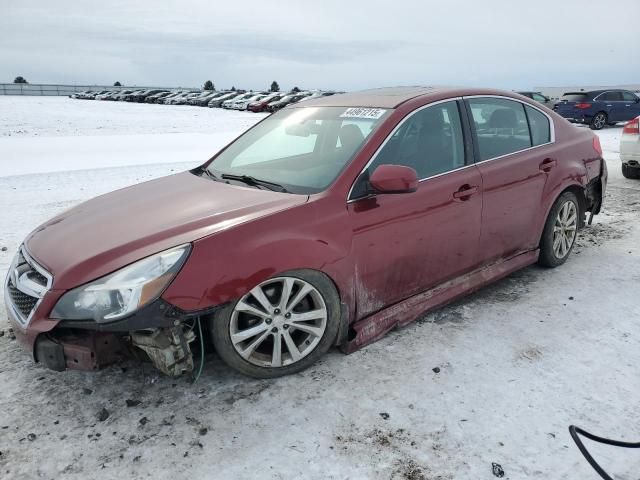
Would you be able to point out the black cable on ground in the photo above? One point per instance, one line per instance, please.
(575, 432)
(197, 376)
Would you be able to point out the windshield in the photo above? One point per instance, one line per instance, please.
(302, 149)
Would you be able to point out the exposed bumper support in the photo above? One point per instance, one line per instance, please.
(79, 351)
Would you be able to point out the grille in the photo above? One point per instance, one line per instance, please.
(23, 302)
(26, 284)
(36, 276)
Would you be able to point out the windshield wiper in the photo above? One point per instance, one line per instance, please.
(256, 182)
(204, 171)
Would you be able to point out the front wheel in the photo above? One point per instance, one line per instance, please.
(281, 326)
(560, 231)
(598, 121)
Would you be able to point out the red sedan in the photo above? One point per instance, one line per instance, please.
(328, 223)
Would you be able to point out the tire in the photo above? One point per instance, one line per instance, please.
(554, 251)
(269, 322)
(629, 172)
(598, 121)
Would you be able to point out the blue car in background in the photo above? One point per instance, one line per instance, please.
(598, 108)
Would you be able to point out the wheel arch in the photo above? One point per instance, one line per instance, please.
(579, 191)
(598, 112)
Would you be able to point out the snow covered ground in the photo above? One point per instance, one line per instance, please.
(518, 361)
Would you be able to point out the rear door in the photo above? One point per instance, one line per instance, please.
(406, 243)
(513, 143)
(613, 105)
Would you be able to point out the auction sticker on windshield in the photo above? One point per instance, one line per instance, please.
(373, 113)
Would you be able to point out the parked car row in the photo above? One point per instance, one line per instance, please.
(596, 108)
(235, 100)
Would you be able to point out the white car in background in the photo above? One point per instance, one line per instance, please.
(630, 149)
(229, 103)
(244, 103)
(183, 98)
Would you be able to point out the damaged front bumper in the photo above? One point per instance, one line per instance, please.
(161, 330)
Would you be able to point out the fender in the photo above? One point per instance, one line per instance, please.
(271, 245)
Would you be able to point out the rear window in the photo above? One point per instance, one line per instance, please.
(574, 97)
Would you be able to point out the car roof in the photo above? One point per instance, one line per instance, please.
(596, 92)
(392, 97)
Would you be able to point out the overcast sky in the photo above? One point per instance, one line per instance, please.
(330, 44)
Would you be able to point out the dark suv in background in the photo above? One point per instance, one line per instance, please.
(598, 108)
(540, 98)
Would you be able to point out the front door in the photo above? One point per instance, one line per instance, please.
(406, 243)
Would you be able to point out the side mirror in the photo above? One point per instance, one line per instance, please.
(394, 179)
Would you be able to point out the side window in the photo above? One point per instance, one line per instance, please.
(539, 98)
(611, 97)
(629, 97)
(539, 126)
(430, 142)
(501, 126)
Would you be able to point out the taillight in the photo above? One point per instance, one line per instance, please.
(583, 105)
(596, 145)
(632, 127)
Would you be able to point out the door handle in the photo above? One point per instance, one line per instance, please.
(465, 192)
(547, 164)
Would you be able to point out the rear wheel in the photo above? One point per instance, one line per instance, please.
(629, 172)
(282, 326)
(560, 231)
(598, 121)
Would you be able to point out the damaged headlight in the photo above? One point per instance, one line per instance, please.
(124, 291)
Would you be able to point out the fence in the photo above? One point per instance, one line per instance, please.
(51, 89)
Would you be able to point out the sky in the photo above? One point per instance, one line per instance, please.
(328, 44)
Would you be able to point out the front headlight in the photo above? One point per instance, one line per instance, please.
(124, 291)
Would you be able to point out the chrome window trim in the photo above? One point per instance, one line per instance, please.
(595, 99)
(552, 136)
(24, 321)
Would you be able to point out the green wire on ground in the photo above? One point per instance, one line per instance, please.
(195, 379)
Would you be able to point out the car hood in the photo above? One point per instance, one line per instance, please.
(113, 230)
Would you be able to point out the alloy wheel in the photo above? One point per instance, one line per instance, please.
(599, 121)
(279, 322)
(564, 229)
